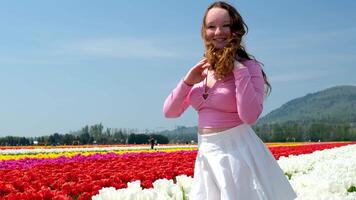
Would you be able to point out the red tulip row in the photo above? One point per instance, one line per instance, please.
(305, 149)
(81, 179)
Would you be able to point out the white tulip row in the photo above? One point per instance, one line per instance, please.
(163, 189)
(88, 149)
(322, 175)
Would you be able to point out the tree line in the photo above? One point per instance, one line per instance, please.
(95, 134)
(276, 132)
(317, 131)
(281, 132)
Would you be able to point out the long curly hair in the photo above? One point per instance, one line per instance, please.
(222, 60)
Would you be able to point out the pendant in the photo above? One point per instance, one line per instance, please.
(205, 95)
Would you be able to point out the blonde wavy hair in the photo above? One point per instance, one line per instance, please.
(222, 60)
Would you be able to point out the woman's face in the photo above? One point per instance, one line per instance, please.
(217, 27)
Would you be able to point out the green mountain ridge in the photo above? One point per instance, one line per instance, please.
(333, 105)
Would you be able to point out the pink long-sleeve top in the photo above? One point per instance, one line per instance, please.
(236, 99)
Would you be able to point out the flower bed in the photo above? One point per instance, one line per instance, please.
(319, 175)
(78, 176)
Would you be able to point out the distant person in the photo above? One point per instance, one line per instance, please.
(227, 90)
(152, 142)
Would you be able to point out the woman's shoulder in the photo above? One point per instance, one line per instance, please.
(250, 62)
(252, 65)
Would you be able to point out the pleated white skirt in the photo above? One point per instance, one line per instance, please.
(236, 165)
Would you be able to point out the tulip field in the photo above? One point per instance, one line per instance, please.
(315, 170)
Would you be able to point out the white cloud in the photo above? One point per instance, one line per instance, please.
(78, 50)
(292, 76)
(124, 48)
(287, 38)
(28, 60)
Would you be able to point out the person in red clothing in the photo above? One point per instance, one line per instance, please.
(227, 88)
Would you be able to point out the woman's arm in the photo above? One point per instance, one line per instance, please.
(177, 102)
(249, 90)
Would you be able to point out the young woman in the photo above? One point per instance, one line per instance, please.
(227, 88)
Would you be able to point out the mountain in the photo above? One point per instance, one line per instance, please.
(333, 105)
(181, 134)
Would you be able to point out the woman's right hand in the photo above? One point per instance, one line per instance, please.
(197, 73)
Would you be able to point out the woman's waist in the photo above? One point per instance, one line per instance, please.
(222, 137)
(217, 124)
(203, 131)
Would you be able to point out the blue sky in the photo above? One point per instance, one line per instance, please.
(66, 64)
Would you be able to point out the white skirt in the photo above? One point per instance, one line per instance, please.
(236, 165)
